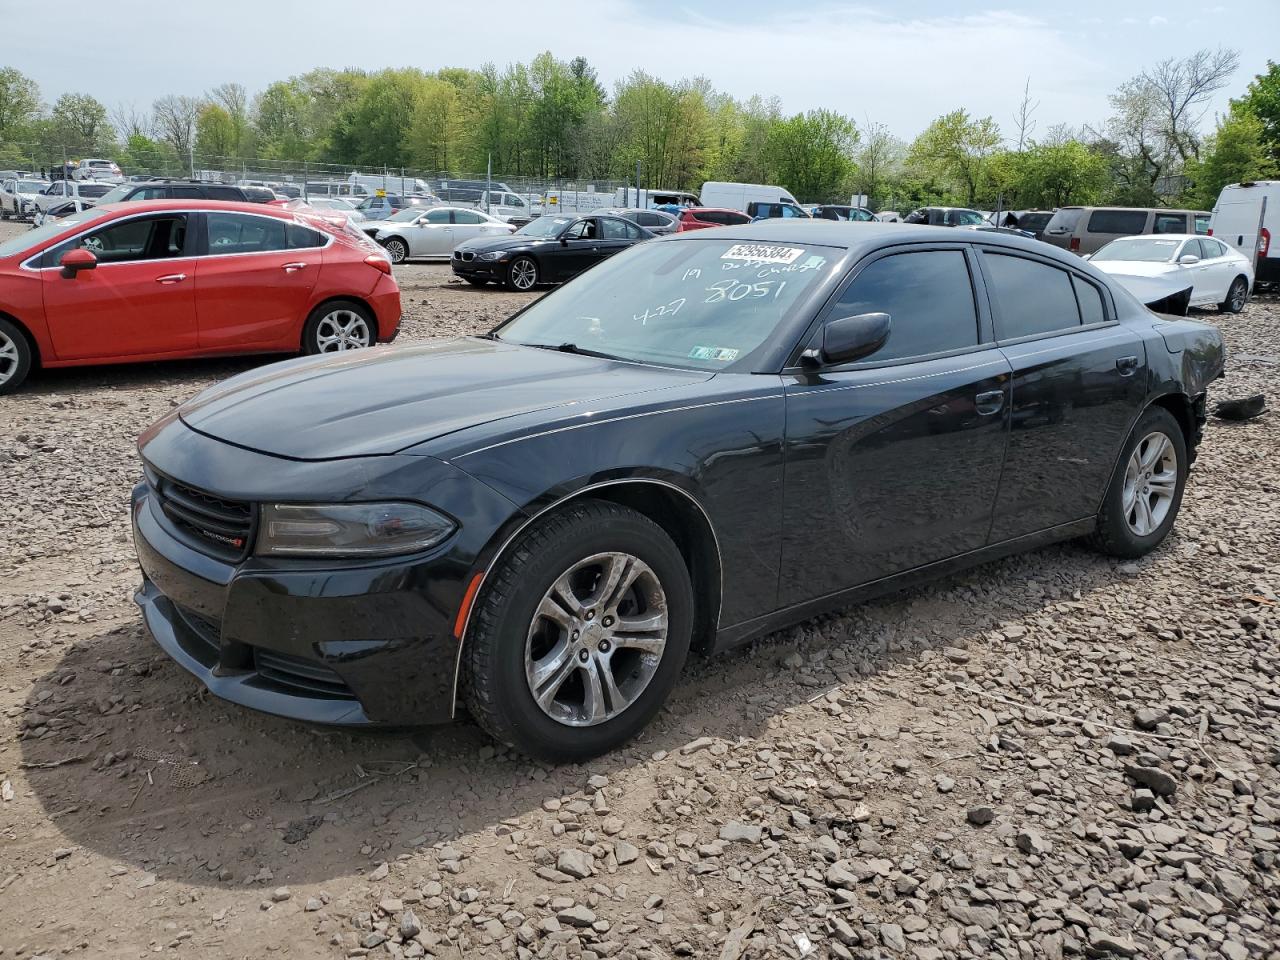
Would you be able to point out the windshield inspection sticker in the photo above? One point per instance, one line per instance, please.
(762, 253)
(723, 354)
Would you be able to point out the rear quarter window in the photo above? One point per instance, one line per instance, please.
(1064, 220)
(1031, 297)
(1118, 221)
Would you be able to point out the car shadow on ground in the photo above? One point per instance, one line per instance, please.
(191, 374)
(131, 758)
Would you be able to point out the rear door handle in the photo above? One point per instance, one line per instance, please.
(172, 278)
(989, 402)
(290, 267)
(1127, 366)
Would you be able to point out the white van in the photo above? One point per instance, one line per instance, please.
(510, 207)
(368, 185)
(737, 196)
(648, 198)
(1247, 216)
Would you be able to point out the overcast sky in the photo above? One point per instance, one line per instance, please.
(869, 60)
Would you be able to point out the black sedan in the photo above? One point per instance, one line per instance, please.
(710, 437)
(549, 249)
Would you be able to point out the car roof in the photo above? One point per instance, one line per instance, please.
(864, 236)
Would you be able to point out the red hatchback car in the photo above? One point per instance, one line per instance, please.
(700, 218)
(160, 279)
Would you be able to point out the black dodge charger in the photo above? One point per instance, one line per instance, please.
(705, 439)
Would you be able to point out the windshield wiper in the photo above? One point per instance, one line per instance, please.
(573, 348)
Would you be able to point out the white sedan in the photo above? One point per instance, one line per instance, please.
(1157, 267)
(436, 231)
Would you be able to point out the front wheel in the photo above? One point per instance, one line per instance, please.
(579, 634)
(1145, 493)
(522, 275)
(338, 326)
(396, 250)
(1237, 295)
(15, 357)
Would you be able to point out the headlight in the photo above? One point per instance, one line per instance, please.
(491, 255)
(349, 529)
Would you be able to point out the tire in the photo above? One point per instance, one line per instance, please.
(337, 326)
(1237, 296)
(476, 281)
(522, 275)
(397, 249)
(1124, 530)
(510, 635)
(15, 357)
(4, 212)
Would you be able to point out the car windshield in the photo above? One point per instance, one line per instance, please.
(967, 217)
(1143, 249)
(703, 304)
(33, 238)
(116, 194)
(31, 186)
(544, 227)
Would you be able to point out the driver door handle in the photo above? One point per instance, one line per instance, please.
(171, 278)
(291, 267)
(989, 402)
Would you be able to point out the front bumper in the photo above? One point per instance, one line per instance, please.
(345, 645)
(478, 269)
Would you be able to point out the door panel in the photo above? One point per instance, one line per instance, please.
(1073, 404)
(248, 294)
(890, 468)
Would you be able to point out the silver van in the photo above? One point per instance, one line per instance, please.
(1087, 229)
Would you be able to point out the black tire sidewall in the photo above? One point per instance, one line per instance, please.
(1114, 530)
(511, 274)
(537, 733)
(25, 357)
(1226, 306)
(309, 345)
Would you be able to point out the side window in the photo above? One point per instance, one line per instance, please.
(633, 232)
(1212, 248)
(929, 296)
(186, 193)
(225, 193)
(439, 217)
(1092, 307)
(129, 241)
(1202, 223)
(467, 216)
(1030, 297)
(582, 230)
(241, 233)
(614, 229)
(301, 238)
(1170, 223)
(1118, 221)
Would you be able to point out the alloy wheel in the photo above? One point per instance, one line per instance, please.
(524, 274)
(341, 330)
(397, 251)
(1236, 298)
(596, 640)
(1150, 484)
(9, 358)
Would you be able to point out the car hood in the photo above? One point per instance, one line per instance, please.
(383, 400)
(1137, 268)
(511, 242)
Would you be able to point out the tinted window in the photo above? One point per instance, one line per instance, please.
(1170, 223)
(916, 216)
(1064, 220)
(633, 232)
(225, 193)
(649, 219)
(142, 238)
(186, 193)
(1089, 297)
(1030, 297)
(467, 216)
(94, 189)
(582, 230)
(1118, 221)
(241, 233)
(928, 295)
(710, 216)
(614, 229)
(150, 193)
(439, 216)
(301, 237)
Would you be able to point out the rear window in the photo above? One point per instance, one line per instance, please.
(1118, 221)
(1170, 223)
(1034, 221)
(1065, 220)
(94, 189)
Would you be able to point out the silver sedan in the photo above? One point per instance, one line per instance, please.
(436, 231)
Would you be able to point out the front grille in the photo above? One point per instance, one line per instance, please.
(304, 677)
(222, 527)
(464, 255)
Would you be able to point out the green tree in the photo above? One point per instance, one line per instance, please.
(1262, 100)
(955, 150)
(433, 140)
(1235, 153)
(19, 104)
(80, 122)
(811, 154)
(1045, 176)
(370, 130)
(216, 135)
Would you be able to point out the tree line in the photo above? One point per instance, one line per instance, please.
(553, 119)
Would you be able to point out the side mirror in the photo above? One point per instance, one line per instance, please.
(73, 261)
(1187, 259)
(852, 338)
(564, 239)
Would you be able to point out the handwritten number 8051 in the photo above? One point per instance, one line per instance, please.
(734, 290)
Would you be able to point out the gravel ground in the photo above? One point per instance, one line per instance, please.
(1053, 755)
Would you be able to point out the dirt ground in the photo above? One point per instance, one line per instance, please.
(1053, 755)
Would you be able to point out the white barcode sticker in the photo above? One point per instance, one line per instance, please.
(762, 253)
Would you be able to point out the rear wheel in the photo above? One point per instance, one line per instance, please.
(579, 634)
(15, 357)
(337, 326)
(522, 275)
(1146, 488)
(397, 250)
(1237, 296)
